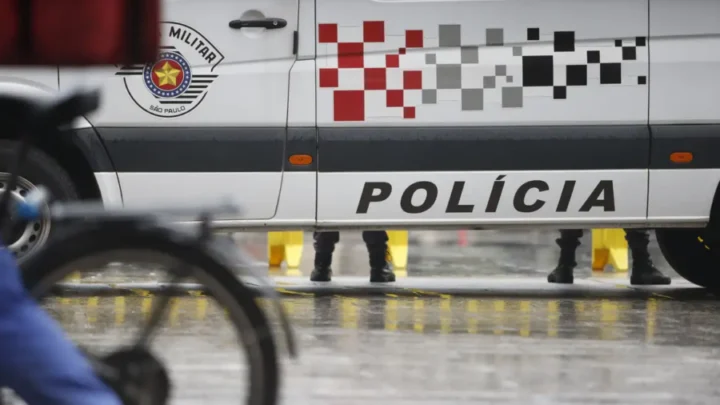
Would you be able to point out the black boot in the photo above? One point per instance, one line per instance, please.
(322, 270)
(568, 242)
(324, 246)
(380, 268)
(646, 274)
(643, 271)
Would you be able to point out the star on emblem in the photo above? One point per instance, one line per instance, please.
(167, 75)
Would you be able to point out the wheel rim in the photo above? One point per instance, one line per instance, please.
(26, 236)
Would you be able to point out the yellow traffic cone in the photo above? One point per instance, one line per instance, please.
(397, 252)
(609, 247)
(285, 247)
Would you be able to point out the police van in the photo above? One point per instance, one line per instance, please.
(327, 114)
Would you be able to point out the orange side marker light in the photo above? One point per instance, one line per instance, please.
(681, 157)
(300, 160)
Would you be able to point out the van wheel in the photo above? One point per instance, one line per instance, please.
(38, 169)
(686, 252)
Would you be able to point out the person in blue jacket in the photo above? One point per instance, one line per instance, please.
(37, 360)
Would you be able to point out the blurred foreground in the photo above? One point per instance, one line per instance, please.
(446, 349)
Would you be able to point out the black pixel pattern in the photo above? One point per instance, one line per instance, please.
(628, 53)
(564, 41)
(538, 71)
(533, 34)
(593, 56)
(610, 73)
(576, 75)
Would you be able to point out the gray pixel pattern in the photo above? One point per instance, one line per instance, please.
(472, 99)
(469, 54)
(429, 96)
(449, 36)
(535, 68)
(449, 76)
(512, 97)
(489, 82)
(494, 37)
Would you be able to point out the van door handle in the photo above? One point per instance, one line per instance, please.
(267, 23)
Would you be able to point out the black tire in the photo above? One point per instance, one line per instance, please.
(38, 169)
(689, 256)
(49, 266)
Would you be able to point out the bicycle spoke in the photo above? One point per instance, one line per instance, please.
(158, 311)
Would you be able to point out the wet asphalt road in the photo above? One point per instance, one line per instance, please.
(606, 343)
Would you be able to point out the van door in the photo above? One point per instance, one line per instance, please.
(482, 112)
(685, 110)
(207, 119)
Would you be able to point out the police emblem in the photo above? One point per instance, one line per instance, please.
(178, 81)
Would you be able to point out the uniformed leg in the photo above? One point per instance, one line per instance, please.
(569, 241)
(324, 243)
(643, 272)
(380, 269)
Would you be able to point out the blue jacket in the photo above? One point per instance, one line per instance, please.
(37, 360)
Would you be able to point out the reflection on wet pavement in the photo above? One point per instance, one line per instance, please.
(441, 350)
(655, 321)
(444, 349)
(196, 341)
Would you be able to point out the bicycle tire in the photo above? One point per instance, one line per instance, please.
(49, 266)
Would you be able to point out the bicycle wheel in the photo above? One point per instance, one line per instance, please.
(50, 266)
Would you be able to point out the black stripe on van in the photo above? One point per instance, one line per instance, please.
(301, 141)
(703, 141)
(483, 148)
(201, 149)
(389, 149)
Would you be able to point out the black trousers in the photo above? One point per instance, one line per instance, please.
(325, 241)
(636, 238)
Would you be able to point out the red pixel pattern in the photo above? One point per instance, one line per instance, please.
(349, 105)
(353, 105)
